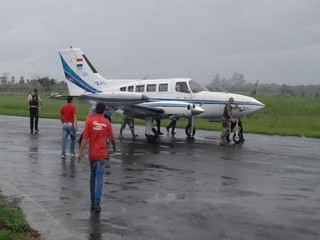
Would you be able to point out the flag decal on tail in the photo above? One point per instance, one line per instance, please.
(75, 79)
(79, 64)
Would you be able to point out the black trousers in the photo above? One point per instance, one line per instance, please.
(34, 118)
(172, 125)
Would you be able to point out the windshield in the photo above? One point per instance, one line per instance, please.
(196, 86)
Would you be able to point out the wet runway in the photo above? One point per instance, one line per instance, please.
(267, 188)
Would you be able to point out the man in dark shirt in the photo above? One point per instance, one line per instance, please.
(34, 103)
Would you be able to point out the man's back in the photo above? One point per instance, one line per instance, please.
(98, 129)
(67, 112)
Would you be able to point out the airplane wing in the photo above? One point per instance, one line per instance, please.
(116, 99)
(141, 111)
(164, 109)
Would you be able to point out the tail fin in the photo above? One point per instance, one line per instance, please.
(80, 74)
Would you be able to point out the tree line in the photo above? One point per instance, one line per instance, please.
(43, 84)
(237, 83)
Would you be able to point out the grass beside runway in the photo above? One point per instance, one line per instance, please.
(283, 115)
(13, 224)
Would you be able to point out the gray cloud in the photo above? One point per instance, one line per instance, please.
(270, 41)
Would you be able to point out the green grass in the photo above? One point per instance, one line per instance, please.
(288, 116)
(13, 224)
(285, 116)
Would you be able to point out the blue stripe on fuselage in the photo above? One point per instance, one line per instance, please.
(75, 79)
(204, 101)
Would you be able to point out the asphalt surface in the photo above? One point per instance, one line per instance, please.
(179, 188)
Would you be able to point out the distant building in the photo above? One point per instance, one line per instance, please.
(3, 80)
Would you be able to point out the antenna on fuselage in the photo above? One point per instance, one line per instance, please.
(145, 77)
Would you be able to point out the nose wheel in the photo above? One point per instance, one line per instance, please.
(237, 137)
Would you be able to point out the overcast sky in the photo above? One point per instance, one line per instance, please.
(267, 40)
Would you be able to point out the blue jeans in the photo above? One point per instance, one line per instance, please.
(96, 180)
(67, 130)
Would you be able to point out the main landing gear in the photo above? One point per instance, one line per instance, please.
(191, 128)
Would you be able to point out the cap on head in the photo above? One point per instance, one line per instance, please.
(231, 99)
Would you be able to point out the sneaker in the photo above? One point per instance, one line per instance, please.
(97, 208)
(63, 156)
(73, 154)
(136, 135)
(37, 130)
(160, 133)
(31, 131)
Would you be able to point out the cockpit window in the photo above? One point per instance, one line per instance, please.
(182, 87)
(196, 86)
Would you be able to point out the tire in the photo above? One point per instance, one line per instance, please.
(237, 138)
(188, 131)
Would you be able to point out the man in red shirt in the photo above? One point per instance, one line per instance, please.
(97, 129)
(68, 116)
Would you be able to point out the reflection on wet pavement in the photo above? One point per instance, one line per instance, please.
(178, 188)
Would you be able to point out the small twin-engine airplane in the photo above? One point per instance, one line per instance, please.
(150, 99)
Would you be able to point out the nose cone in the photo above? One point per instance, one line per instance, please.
(251, 106)
(197, 110)
(247, 106)
(257, 105)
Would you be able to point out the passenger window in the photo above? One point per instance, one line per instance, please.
(130, 89)
(151, 87)
(163, 87)
(140, 88)
(123, 89)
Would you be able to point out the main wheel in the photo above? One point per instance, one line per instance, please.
(188, 131)
(152, 138)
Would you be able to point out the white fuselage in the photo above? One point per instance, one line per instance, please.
(164, 90)
(180, 97)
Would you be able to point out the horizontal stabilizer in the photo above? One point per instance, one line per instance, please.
(58, 96)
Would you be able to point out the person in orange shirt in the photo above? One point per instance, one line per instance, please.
(68, 116)
(97, 130)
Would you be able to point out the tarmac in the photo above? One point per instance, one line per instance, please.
(178, 188)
